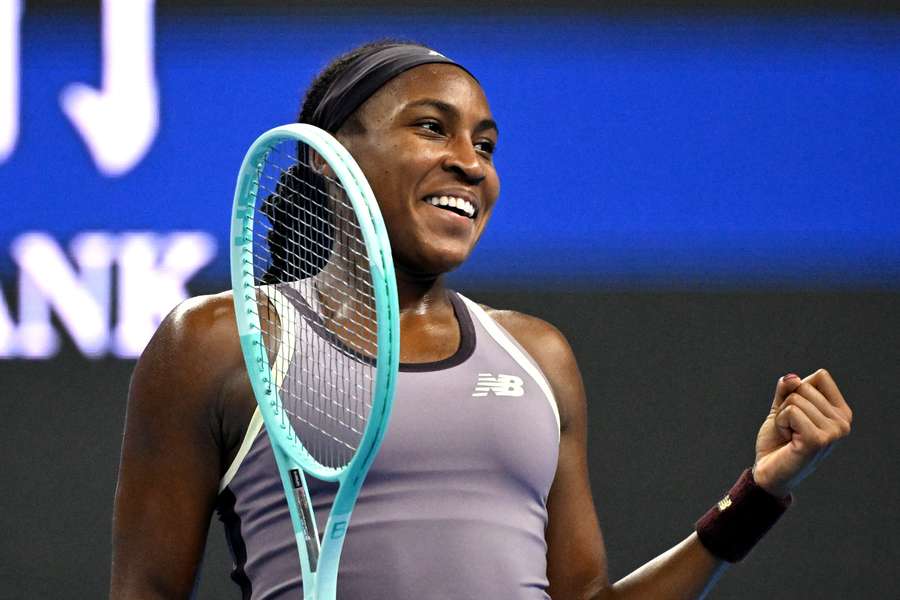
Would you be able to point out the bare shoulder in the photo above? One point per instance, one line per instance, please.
(192, 354)
(200, 323)
(551, 350)
(546, 344)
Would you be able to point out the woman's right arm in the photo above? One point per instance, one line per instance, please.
(172, 451)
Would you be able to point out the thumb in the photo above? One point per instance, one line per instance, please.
(786, 385)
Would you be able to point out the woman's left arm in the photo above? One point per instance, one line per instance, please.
(807, 417)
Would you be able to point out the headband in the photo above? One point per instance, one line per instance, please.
(365, 76)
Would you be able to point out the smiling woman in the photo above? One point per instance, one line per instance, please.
(481, 487)
(425, 141)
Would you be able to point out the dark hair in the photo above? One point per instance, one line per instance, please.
(299, 210)
(301, 237)
(319, 86)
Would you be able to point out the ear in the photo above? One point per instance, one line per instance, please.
(319, 165)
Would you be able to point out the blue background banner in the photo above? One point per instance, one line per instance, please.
(689, 152)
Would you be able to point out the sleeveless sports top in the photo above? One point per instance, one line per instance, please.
(455, 505)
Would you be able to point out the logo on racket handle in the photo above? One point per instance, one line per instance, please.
(339, 527)
(312, 544)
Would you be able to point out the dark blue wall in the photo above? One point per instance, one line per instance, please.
(686, 151)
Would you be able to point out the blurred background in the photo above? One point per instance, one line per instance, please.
(701, 197)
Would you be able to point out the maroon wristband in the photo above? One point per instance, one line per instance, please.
(731, 528)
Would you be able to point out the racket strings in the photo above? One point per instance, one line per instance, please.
(365, 323)
(360, 266)
(326, 220)
(316, 303)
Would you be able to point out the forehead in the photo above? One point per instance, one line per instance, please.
(443, 82)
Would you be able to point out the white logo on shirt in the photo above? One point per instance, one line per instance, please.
(501, 385)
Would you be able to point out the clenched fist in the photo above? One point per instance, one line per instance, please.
(808, 416)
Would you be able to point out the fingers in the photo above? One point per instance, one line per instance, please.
(793, 418)
(812, 395)
(820, 389)
(812, 410)
(786, 385)
(808, 416)
(806, 438)
(824, 383)
(813, 419)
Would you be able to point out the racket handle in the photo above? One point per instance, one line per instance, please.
(326, 577)
(309, 537)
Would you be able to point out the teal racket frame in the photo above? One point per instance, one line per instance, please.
(320, 571)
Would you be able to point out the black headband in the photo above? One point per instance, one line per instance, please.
(365, 77)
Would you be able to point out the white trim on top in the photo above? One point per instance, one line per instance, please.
(506, 342)
(288, 321)
(253, 429)
(278, 370)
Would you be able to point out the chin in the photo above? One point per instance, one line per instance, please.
(437, 261)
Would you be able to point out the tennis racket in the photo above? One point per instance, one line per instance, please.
(317, 313)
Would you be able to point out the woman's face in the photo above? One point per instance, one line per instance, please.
(425, 143)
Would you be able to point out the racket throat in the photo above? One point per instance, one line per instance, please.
(306, 519)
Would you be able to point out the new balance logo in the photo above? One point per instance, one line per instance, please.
(501, 385)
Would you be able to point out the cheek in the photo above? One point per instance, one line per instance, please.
(491, 192)
(494, 188)
(484, 223)
(390, 172)
(383, 181)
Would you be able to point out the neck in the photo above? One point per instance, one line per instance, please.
(428, 327)
(418, 293)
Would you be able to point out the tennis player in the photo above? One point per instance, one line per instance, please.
(481, 488)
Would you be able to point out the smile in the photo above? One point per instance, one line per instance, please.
(458, 205)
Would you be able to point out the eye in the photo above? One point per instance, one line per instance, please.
(486, 147)
(432, 126)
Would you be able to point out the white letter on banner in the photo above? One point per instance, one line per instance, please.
(119, 121)
(153, 273)
(10, 68)
(81, 300)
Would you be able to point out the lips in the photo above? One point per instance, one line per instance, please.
(460, 206)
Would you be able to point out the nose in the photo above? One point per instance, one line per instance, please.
(463, 160)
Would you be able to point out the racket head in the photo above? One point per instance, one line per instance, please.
(317, 275)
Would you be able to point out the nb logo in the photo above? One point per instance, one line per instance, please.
(500, 385)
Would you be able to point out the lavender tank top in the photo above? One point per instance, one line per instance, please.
(455, 505)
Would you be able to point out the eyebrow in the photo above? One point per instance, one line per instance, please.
(452, 110)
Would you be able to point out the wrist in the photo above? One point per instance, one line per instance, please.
(781, 491)
(731, 528)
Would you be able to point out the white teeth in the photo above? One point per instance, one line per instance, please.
(453, 202)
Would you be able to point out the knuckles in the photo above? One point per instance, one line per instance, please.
(843, 428)
(838, 426)
(805, 389)
(792, 399)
